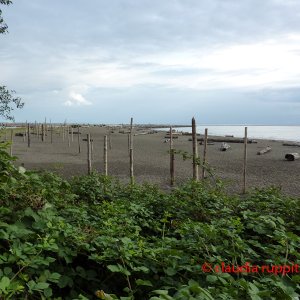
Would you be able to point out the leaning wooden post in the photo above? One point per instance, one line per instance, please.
(11, 141)
(28, 135)
(204, 154)
(195, 151)
(105, 156)
(172, 159)
(131, 153)
(89, 159)
(245, 161)
(78, 135)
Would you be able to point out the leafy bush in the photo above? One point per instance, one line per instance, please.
(94, 238)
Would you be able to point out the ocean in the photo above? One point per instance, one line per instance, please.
(288, 133)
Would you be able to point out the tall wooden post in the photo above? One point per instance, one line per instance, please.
(105, 156)
(51, 137)
(72, 137)
(109, 140)
(204, 153)
(35, 128)
(24, 133)
(43, 133)
(131, 152)
(68, 132)
(195, 151)
(172, 159)
(38, 130)
(28, 135)
(89, 158)
(11, 141)
(78, 135)
(245, 160)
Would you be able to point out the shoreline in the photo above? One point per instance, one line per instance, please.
(152, 161)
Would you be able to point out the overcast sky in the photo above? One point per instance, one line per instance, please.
(158, 61)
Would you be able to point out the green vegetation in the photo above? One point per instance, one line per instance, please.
(94, 238)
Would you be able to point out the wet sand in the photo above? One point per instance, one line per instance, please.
(151, 159)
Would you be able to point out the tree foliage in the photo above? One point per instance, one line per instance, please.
(3, 26)
(7, 100)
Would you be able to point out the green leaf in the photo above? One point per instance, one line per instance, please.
(4, 283)
(143, 282)
(41, 286)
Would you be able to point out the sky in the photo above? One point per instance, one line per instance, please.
(158, 61)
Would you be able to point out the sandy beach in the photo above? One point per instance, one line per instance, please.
(151, 159)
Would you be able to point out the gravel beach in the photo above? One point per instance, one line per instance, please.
(151, 159)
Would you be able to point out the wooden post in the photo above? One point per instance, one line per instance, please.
(68, 132)
(28, 135)
(38, 131)
(78, 135)
(51, 134)
(63, 133)
(131, 153)
(72, 137)
(92, 147)
(172, 159)
(11, 141)
(204, 153)
(35, 128)
(43, 133)
(109, 140)
(105, 156)
(24, 133)
(89, 159)
(195, 151)
(245, 161)
(128, 136)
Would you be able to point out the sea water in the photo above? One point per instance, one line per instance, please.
(287, 133)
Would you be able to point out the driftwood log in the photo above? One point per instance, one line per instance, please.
(265, 150)
(292, 156)
(226, 140)
(291, 144)
(224, 147)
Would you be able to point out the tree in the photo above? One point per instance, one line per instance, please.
(7, 99)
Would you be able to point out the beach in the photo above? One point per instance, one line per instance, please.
(152, 162)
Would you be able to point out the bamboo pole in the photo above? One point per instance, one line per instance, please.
(131, 152)
(78, 135)
(105, 156)
(28, 135)
(11, 142)
(172, 159)
(195, 151)
(245, 160)
(204, 153)
(89, 159)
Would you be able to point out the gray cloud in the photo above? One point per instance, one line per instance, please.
(153, 49)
